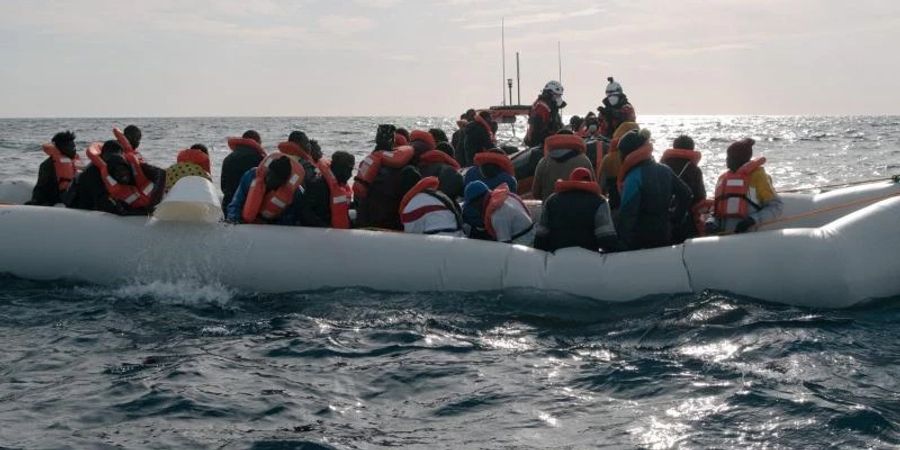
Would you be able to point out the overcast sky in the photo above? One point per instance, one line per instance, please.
(420, 57)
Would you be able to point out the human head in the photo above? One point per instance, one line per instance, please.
(200, 147)
(278, 174)
(632, 141)
(252, 134)
(438, 135)
(384, 137)
(110, 147)
(491, 170)
(739, 153)
(409, 177)
(625, 127)
(683, 142)
(64, 141)
(553, 90)
(299, 138)
(342, 164)
(475, 191)
(404, 132)
(614, 92)
(445, 147)
(118, 168)
(422, 141)
(469, 115)
(581, 174)
(575, 123)
(133, 134)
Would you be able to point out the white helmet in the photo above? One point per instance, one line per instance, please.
(555, 87)
(613, 87)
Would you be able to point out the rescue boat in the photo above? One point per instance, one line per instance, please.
(843, 249)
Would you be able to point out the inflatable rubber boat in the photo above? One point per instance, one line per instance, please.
(847, 251)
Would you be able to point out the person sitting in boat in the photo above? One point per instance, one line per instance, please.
(494, 215)
(271, 193)
(327, 198)
(683, 160)
(745, 197)
(426, 210)
(590, 129)
(479, 136)
(576, 215)
(246, 153)
(649, 190)
(58, 171)
(458, 140)
(117, 182)
(376, 189)
(301, 148)
(544, 118)
(575, 123)
(608, 172)
(432, 162)
(193, 161)
(563, 153)
(494, 168)
(134, 135)
(615, 110)
(439, 136)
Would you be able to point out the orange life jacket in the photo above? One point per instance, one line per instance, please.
(294, 149)
(270, 205)
(733, 192)
(497, 198)
(194, 156)
(424, 184)
(66, 168)
(424, 136)
(138, 196)
(564, 142)
(235, 142)
(126, 144)
(613, 152)
(437, 157)
(339, 196)
(371, 165)
(495, 158)
(400, 140)
(572, 185)
(680, 153)
(634, 158)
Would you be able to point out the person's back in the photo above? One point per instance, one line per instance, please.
(683, 159)
(58, 172)
(246, 153)
(377, 189)
(326, 199)
(608, 172)
(191, 162)
(745, 197)
(117, 182)
(479, 137)
(271, 193)
(494, 168)
(498, 215)
(563, 153)
(426, 210)
(576, 215)
(436, 163)
(645, 218)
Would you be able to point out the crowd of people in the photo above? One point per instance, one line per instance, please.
(423, 182)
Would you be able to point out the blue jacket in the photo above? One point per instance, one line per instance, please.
(290, 216)
(646, 217)
(473, 174)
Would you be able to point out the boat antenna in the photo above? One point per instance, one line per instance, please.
(559, 59)
(518, 82)
(503, 59)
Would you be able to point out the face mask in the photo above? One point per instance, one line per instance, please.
(592, 129)
(613, 100)
(558, 99)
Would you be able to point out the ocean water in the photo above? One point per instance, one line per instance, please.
(189, 365)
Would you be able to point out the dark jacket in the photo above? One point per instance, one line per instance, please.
(90, 193)
(458, 141)
(381, 207)
(451, 182)
(613, 116)
(576, 219)
(645, 220)
(290, 215)
(474, 174)
(542, 122)
(46, 190)
(315, 209)
(477, 139)
(693, 177)
(234, 166)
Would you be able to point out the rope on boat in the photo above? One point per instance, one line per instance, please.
(894, 178)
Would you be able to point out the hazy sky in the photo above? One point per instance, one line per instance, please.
(419, 57)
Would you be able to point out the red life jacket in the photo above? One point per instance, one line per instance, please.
(194, 156)
(540, 109)
(400, 140)
(679, 153)
(138, 196)
(733, 192)
(423, 136)
(634, 158)
(437, 157)
(371, 165)
(497, 198)
(339, 196)
(564, 142)
(235, 142)
(572, 185)
(424, 184)
(495, 158)
(294, 149)
(613, 152)
(270, 205)
(66, 168)
(126, 144)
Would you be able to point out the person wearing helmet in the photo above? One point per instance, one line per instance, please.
(615, 110)
(544, 118)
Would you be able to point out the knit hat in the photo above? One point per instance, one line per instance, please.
(741, 150)
(474, 190)
(624, 128)
(633, 140)
(581, 174)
